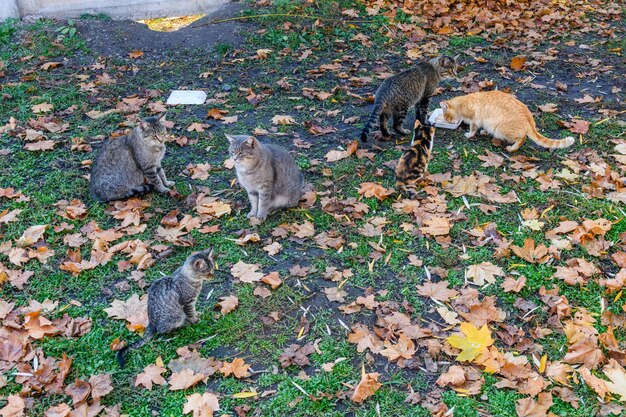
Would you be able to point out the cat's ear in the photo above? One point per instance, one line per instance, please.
(251, 142)
(456, 58)
(444, 105)
(199, 265)
(446, 62)
(143, 125)
(211, 255)
(230, 138)
(161, 117)
(417, 124)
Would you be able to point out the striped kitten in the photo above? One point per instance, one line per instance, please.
(413, 164)
(411, 88)
(131, 165)
(172, 300)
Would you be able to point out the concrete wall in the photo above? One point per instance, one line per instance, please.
(116, 9)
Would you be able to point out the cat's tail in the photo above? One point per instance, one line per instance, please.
(541, 140)
(378, 108)
(121, 354)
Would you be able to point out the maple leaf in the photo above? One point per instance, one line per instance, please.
(31, 235)
(100, 385)
(475, 341)
(281, 119)
(364, 339)
(527, 407)
(246, 272)
(216, 114)
(548, 108)
(513, 285)
(135, 54)
(42, 145)
(134, 310)
(296, 355)
(184, 379)
(517, 63)
(405, 348)
(483, 272)
(201, 405)
(38, 326)
(253, 237)
(196, 127)
(436, 226)
(228, 304)
(372, 189)
(335, 155)
(304, 230)
(273, 248)
(366, 387)
(238, 368)
(42, 108)
(59, 410)
(14, 408)
(437, 290)
(531, 253)
(272, 279)
(79, 391)
(617, 375)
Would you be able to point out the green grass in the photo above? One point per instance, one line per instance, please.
(247, 332)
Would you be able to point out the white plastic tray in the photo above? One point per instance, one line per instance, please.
(436, 119)
(186, 97)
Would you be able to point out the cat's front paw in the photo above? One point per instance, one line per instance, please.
(170, 183)
(194, 319)
(251, 214)
(469, 135)
(163, 190)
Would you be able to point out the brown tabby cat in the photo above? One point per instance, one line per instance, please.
(502, 116)
(172, 300)
(131, 165)
(413, 164)
(413, 87)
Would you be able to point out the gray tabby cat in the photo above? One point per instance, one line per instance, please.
(172, 300)
(268, 173)
(413, 87)
(131, 165)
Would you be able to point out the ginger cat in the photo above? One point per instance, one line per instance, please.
(501, 115)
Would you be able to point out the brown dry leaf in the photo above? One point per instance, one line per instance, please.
(595, 383)
(42, 145)
(367, 387)
(262, 292)
(228, 304)
(372, 189)
(280, 119)
(14, 408)
(273, 248)
(79, 391)
(134, 310)
(483, 272)
(59, 410)
(253, 237)
(151, 375)
(405, 348)
(437, 290)
(531, 253)
(272, 279)
(184, 379)
(517, 63)
(548, 108)
(42, 108)
(527, 407)
(513, 285)
(436, 226)
(201, 405)
(31, 235)
(135, 54)
(335, 155)
(365, 339)
(38, 326)
(238, 368)
(246, 272)
(101, 385)
(617, 375)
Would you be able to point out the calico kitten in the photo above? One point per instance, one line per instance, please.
(268, 173)
(413, 87)
(502, 116)
(413, 164)
(172, 300)
(131, 165)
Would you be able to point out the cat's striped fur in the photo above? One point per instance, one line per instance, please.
(172, 300)
(399, 93)
(131, 165)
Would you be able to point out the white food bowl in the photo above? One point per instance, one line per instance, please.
(436, 119)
